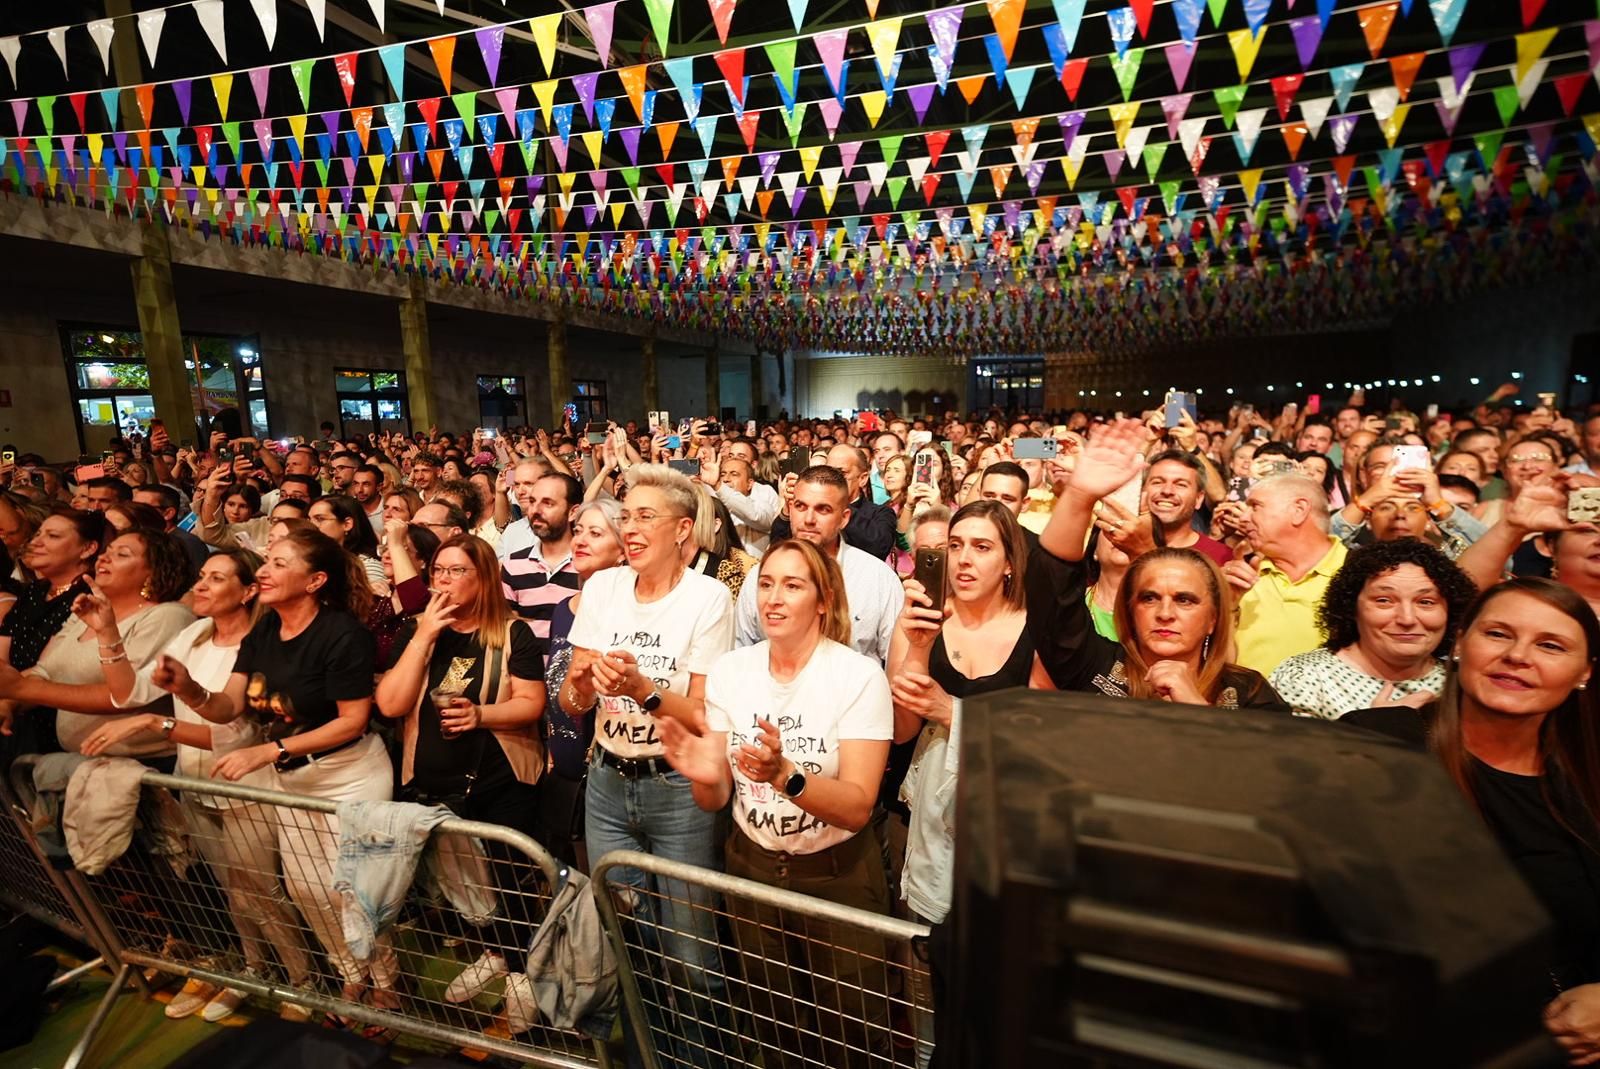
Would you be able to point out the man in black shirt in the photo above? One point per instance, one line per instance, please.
(872, 527)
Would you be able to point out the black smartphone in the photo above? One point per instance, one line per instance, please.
(224, 456)
(929, 570)
(1393, 423)
(37, 479)
(793, 465)
(186, 444)
(687, 467)
(713, 430)
(247, 450)
(595, 433)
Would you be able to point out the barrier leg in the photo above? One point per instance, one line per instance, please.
(81, 1049)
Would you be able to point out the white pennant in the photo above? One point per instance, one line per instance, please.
(1314, 110)
(150, 24)
(377, 11)
(876, 173)
(1248, 123)
(1449, 94)
(917, 168)
(747, 188)
(58, 41)
(267, 14)
(1134, 146)
(1531, 82)
(319, 15)
(1189, 131)
(209, 12)
(1384, 101)
(102, 30)
(9, 47)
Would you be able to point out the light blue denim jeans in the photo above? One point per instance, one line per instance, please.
(657, 815)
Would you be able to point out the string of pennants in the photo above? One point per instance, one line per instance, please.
(423, 183)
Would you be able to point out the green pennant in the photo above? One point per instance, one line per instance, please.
(530, 149)
(1505, 101)
(1169, 195)
(490, 217)
(1153, 155)
(1217, 8)
(793, 119)
(466, 107)
(301, 69)
(1488, 146)
(1127, 68)
(322, 171)
(230, 133)
(660, 12)
(897, 186)
(1374, 181)
(1228, 100)
(890, 147)
(781, 55)
(630, 175)
(47, 112)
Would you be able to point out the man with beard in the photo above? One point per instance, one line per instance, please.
(538, 576)
(364, 485)
(1174, 486)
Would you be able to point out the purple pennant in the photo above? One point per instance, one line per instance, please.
(330, 122)
(490, 41)
(630, 142)
(408, 166)
(1035, 175)
(945, 26)
(19, 111)
(794, 202)
(1307, 36)
(1463, 60)
(1114, 160)
(769, 166)
(1175, 107)
(119, 141)
(584, 84)
(921, 96)
(1070, 122)
(1539, 138)
(1013, 214)
(1339, 128)
(535, 183)
(1335, 195)
(1298, 174)
(1447, 117)
(258, 81)
(184, 91)
(1179, 57)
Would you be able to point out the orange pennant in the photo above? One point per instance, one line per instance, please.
(1376, 22)
(633, 84)
(146, 96)
(1007, 18)
(1404, 69)
(1294, 135)
(444, 54)
(971, 86)
(666, 133)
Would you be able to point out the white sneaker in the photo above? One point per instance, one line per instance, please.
(475, 977)
(521, 1009)
(293, 1011)
(189, 1001)
(223, 1004)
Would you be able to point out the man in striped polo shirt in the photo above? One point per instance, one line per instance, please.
(539, 576)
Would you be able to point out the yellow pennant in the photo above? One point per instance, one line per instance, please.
(545, 94)
(873, 103)
(544, 29)
(884, 37)
(1122, 116)
(1391, 126)
(1249, 181)
(222, 88)
(1245, 46)
(1530, 46)
(809, 157)
(591, 141)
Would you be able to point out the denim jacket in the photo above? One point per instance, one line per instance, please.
(379, 846)
(570, 962)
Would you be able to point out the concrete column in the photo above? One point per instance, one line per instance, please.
(757, 387)
(157, 306)
(418, 352)
(560, 377)
(713, 383)
(652, 380)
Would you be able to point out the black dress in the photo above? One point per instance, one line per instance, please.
(1562, 872)
(1078, 658)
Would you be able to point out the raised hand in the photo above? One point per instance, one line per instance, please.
(920, 619)
(1114, 455)
(439, 614)
(697, 757)
(94, 609)
(1540, 506)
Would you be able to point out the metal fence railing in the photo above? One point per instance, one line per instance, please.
(714, 970)
(250, 907)
(805, 983)
(30, 884)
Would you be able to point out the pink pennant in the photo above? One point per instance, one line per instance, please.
(830, 46)
(831, 111)
(258, 81)
(847, 156)
(1175, 107)
(507, 99)
(722, 16)
(600, 18)
(1180, 54)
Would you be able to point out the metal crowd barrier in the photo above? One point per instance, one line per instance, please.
(236, 917)
(29, 884)
(715, 971)
(804, 984)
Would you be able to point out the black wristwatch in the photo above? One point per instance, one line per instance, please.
(795, 785)
(283, 753)
(652, 701)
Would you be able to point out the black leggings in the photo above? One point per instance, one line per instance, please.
(514, 805)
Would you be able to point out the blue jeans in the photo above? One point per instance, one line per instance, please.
(678, 922)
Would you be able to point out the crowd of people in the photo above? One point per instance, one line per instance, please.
(608, 637)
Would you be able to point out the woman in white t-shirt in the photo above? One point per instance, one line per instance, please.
(797, 733)
(644, 638)
(237, 839)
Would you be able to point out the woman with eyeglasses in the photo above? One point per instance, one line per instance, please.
(642, 642)
(468, 686)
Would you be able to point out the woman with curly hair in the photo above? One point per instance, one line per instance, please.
(1390, 614)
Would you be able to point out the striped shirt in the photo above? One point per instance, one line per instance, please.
(534, 587)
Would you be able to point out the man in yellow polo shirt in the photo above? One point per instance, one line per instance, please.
(1288, 524)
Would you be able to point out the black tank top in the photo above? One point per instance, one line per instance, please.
(1014, 673)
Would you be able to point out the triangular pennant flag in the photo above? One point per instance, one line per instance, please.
(101, 30)
(1121, 22)
(1179, 58)
(1246, 45)
(150, 26)
(660, 12)
(1404, 68)
(600, 18)
(444, 56)
(1021, 81)
(1122, 116)
(491, 40)
(797, 12)
(731, 63)
(1530, 46)
(1307, 33)
(1174, 107)
(544, 30)
(872, 102)
(884, 38)
(300, 71)
(1376, 22)
(1228, 100)
(1530, 11)
(1069, 14)
(1007, 18)
(393, 58)
(1284, 87)
(1249, 131)
(319, 16)
(1344, 82)
(221, 89)
(209, 12)
(721, 17)
(1446, 17)
(1315, 111)
(267, 15)
(830, 46)
(1127, 70)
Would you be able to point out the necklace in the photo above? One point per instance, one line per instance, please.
(56, 592)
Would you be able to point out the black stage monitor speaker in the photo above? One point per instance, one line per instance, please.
(1145, 884)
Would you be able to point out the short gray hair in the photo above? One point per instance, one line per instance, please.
(1297, 485)
(610, 510)
(673, 485)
